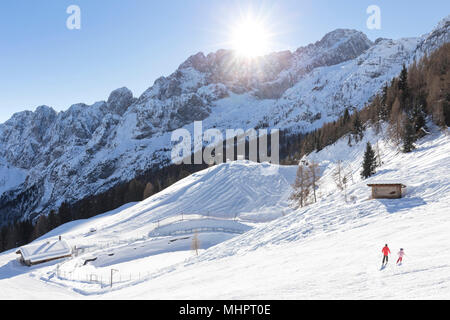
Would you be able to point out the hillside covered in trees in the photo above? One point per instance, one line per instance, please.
(420, 92)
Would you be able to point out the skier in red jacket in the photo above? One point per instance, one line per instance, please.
(385, 252)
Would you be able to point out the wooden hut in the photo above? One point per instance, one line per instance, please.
(41, 252)
(386, 190)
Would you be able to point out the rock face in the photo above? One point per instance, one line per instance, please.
(48, 157)
(119, 100)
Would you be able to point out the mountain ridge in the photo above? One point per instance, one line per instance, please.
(65, 156)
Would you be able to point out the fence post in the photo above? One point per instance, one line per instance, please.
(112, 270)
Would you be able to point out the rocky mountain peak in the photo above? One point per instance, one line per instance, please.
(120, 99)
(197, 61)
(433, 40)
(45, 110)
(340, 37)
(335, 47)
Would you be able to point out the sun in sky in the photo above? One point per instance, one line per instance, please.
(250, 38)
(250, 33)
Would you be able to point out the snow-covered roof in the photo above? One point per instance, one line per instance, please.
(385, 182)
(45, 251)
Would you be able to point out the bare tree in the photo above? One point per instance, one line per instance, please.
(314, 172)
(302, 185)
(378, 155)
(337, 175)
(149, 190)
(344, 183)
(195, 243)
(341, 177)
(349, 172)
(395, 129)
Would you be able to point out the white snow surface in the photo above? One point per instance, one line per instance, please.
(327, 250)
(10, 177)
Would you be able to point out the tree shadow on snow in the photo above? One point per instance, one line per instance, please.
(397, 205)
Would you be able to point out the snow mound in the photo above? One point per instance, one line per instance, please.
(200, 226)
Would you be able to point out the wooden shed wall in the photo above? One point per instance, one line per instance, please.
(386, 192)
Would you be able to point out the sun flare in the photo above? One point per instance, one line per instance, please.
(250, 38)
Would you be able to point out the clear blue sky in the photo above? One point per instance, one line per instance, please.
(132, 43)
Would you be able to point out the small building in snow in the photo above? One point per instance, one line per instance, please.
(43, 252)
(386, 190)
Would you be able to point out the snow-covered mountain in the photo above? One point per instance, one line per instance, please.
(253, 245)
(48, 157)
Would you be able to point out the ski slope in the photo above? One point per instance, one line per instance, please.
(254, 246)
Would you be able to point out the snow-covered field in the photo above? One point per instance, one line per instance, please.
(254, 245)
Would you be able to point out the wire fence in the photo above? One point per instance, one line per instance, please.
(199, 230)
(102, 245)
(102, 279)
(110, 278)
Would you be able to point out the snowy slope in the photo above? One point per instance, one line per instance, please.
(332, 250)
(139, 238)
(10, 177)
(49, 157)
(328, 250)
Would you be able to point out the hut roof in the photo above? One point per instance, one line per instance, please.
(45, 251)
(386, 183)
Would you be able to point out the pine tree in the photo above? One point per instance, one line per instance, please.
(135, 191)
(53, 220)
(358, 128)
(383, 110)
(409, 136)
(384, 94)
(3, 238)
(403, 80)
(65, 213)
(403, 86)
(41, 226)
(370, 162)
(418, 119)
(12, 237)
(446, 110)
(349, 141)
(346, 117)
